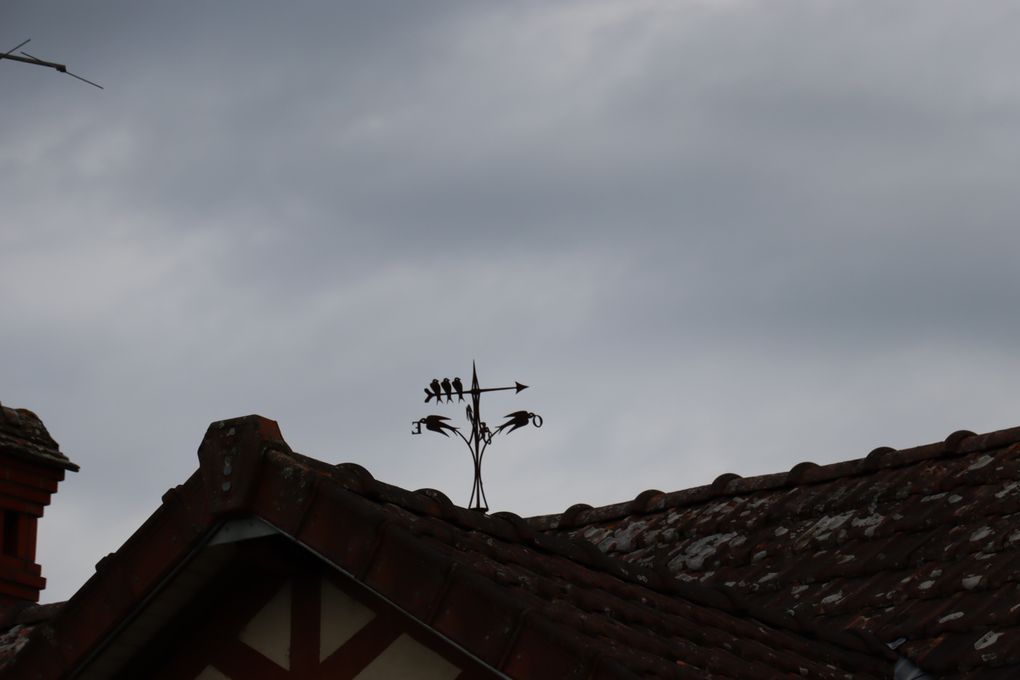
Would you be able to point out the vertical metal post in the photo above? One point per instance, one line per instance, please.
(478, 501)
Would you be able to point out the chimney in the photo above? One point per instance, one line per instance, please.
(31, 465)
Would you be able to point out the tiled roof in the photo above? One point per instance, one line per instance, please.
(602, 608)
(22, 434)
(527, 603)
(17, 623)
(920, 547)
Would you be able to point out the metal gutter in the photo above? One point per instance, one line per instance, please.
(905, 669)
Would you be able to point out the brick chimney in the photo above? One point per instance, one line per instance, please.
(31, 465)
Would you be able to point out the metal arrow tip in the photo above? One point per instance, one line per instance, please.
(520, 387)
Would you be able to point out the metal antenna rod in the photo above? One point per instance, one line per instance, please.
(11, 51)
(29, 59)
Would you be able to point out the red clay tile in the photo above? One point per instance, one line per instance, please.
(890, 543)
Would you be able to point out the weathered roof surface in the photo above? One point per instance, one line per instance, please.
(598, 608)
(526, 603)
(17, 623)
(23, 434)
(919, 546)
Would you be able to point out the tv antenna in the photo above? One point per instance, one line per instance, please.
(481, 436)
(29, 59)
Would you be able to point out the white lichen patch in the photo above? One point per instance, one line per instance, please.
(982, 533)
(954, 499)
(831, 599)
(624, 539)
(934, 497)
(831, 522)
(781, 531)
(971, 582)
(951, 617)
(1008, 489)
(693, 555)
(869, 523)
(14, 639)
(987, 640)
(755, 503)
(925, 585)
(984, 460)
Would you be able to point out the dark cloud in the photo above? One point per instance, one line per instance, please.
(713, 236)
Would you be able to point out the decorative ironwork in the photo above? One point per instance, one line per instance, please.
(481, 436)
(29, 59)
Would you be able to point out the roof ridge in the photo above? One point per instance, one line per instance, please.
(367, 528)
(511, 528)
(880, 533)
(959, 443)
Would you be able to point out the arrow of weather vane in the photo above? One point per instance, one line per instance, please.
(481, 436)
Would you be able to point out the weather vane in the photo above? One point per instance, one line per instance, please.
(481, 436)
(29, 59)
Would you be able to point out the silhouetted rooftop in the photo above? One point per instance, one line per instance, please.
(919, 547)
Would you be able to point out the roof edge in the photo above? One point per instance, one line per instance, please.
(959, 443)
(246, 468)
(510, 527)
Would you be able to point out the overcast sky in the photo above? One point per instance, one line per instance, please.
(711, 236)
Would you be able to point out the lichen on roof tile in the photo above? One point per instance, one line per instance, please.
(906, 533)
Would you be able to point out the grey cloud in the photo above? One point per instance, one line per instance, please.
(713, 236)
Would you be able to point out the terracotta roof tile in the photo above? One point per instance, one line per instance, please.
(17, 623)
(523, 601)
(922, 543)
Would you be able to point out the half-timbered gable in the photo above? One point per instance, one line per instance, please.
(272, 609)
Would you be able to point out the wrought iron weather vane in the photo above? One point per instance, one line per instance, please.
(481, 436)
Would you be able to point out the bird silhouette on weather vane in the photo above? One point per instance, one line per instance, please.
(481, 435)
